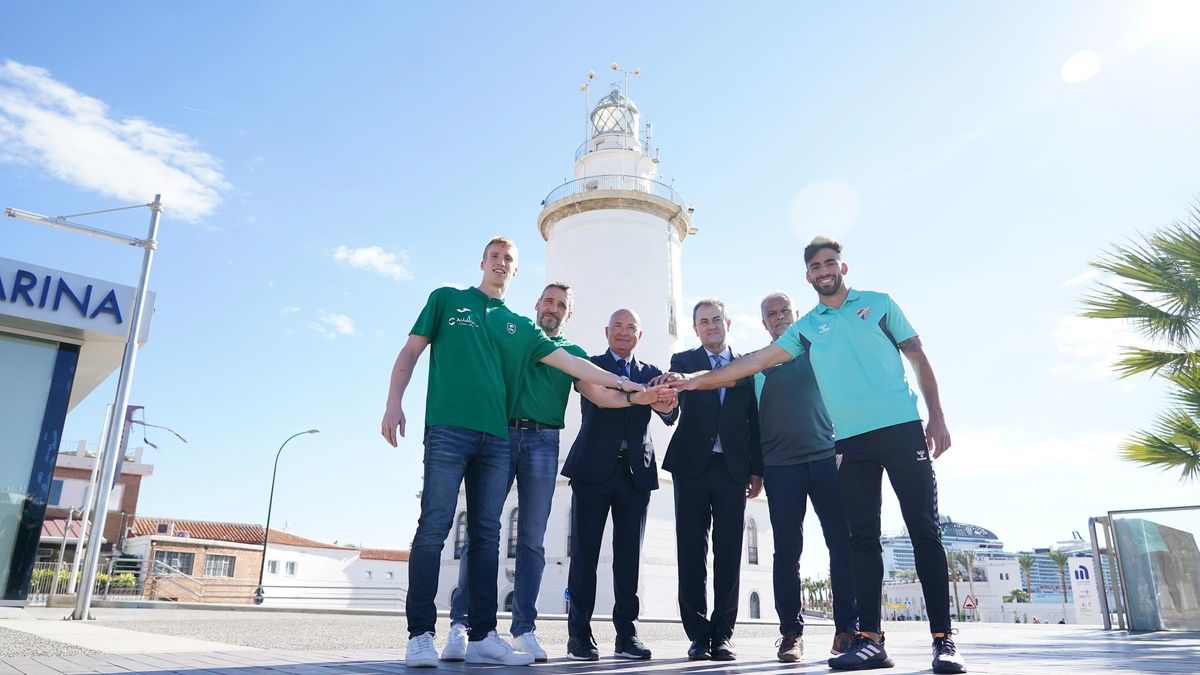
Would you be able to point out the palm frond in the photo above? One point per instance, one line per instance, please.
(1185, 390)
(1136, 360)
(1180, 242)
(1175, 443)
(1163, 265)
(1157, 324)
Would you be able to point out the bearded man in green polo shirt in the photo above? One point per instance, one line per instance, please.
(537, 412)
(854, 340)
(481, 352)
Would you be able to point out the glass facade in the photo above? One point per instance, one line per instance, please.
(33, 405)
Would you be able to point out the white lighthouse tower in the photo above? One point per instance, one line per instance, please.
(614, 233)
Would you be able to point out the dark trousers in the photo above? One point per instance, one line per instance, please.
(788, 490)
(590, 506)
(712, 499)
(901, 450)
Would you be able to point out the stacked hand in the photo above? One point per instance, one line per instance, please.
(677, 381)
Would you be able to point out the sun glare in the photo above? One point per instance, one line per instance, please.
(1082, 66)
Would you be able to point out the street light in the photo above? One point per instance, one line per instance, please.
(258, 592)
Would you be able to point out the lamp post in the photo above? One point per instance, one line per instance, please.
(258, 592)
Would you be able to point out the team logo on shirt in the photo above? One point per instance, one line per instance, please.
(512, 328)
(823, 328)
(460, 310)
(864, 313)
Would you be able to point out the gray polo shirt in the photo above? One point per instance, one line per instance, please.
(792, 419)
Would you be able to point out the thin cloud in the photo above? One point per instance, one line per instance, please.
(74, 137)
(333, 325)
(1081, 278)
(1089, 347)
(375, 259)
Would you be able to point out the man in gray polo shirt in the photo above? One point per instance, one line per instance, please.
(799, 465)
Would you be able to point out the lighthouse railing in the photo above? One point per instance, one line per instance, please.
(611, 142)
(614, 182)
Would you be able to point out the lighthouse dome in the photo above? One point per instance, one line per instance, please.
(615, 114)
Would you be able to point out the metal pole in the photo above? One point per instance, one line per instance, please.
(1114, 567)
(87, 501)
(262, 567)
(61, 550)
(112, 443)
(1098, 561)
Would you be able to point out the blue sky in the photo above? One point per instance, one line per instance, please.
(972, 156)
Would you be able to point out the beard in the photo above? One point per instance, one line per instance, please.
(837, 286)
(548, 323)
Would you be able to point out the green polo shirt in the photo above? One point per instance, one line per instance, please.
(466, 387)
(543, 394)
(855, 356)
(520, 345)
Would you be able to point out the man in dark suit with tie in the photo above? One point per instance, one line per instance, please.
(612, 467)
(715, 462)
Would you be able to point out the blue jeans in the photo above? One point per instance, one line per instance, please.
(533, 463)
(452, 455)
(788, 490)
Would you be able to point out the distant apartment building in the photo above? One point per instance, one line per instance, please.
(213, 562)
(68, 491)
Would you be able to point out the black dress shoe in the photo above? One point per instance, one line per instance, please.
(582, 650)
(700, 650)
(631, 647)
(722, 650)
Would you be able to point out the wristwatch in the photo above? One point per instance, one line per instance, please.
(621, 380)
(629, 398)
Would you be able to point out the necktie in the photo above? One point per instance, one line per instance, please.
(718, 361)
(625, 367)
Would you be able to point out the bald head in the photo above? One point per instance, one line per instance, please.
(623, 331)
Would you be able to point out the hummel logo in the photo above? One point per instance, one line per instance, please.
(460, 310)
(920, 455)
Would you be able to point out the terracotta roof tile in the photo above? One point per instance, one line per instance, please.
(238, 533)
(383, 554)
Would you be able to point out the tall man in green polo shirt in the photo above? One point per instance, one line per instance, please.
(854, 340)
(537, 411)
(480, 350)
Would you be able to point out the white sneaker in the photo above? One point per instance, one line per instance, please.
(456, 644)
(495, 649)
(420, 652)
(529, 644)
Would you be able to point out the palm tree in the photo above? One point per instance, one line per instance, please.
(1159, 294)
(1026, 563)
(1059, 558)
(950, 563)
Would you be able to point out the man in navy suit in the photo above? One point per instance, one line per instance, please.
(612, 467)
(715, 462)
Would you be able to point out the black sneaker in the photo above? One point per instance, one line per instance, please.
(582, 650)
(863, 653)
(631, 647)
(946, 658)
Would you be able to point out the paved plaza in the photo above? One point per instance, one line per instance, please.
(37, 641)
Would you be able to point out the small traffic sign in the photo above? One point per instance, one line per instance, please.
(970, 603)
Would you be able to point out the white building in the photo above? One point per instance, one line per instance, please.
(617, 214)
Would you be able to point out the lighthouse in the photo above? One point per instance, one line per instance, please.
(615, 234)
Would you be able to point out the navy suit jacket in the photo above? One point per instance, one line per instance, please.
(593, 455)
(704, 417)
